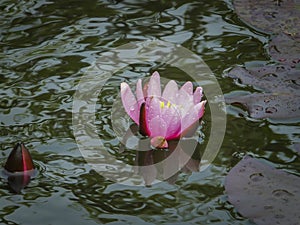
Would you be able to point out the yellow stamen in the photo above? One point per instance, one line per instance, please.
(169, 104)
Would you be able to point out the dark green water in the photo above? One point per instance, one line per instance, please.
(46, 46)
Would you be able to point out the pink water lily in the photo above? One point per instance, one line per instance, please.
(166, 115)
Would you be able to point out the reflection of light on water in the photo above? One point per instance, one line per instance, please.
(292, 132)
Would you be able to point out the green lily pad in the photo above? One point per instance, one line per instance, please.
(264, 194)
(273, 79)
(279, 16)
(285, 49)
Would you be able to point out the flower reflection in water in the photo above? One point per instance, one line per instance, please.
(147, 159)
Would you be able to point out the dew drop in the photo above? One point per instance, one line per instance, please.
(279, 216)
(268, 207)
(242, 170)
(283, 194)
(258, 107)
(256, 177)
(281, 68)
(271, 110)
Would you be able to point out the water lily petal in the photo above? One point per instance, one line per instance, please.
(157, 127)
(185, 97)
(155, 123)
(198, 95)
(152, 107)
(187, 87)
(170, 92)
(139, 93)
(154, 88)
(143, 127)
(185, 102)
(172, 117)
(129, 102)
(193, 116)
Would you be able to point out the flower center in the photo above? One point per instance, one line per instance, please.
(162, 104)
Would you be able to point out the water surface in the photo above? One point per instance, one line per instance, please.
(47, 46)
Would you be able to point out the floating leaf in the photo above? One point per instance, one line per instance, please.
(274, 78)
(281, 16)
(285, 49)
(278, 106)
(264, 194)
(281, 85)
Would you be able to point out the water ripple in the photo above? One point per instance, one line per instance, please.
(47, 46)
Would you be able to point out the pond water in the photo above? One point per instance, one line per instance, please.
(46, 48)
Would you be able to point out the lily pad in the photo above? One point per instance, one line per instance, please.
(285, 49)
(264, 194)
(277, 106)
(280, 16)
(274, 78)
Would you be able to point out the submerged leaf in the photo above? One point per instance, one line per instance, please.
(276, 106)
(270, 16)
(264, 194)
(275, 78)
(285, 49)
